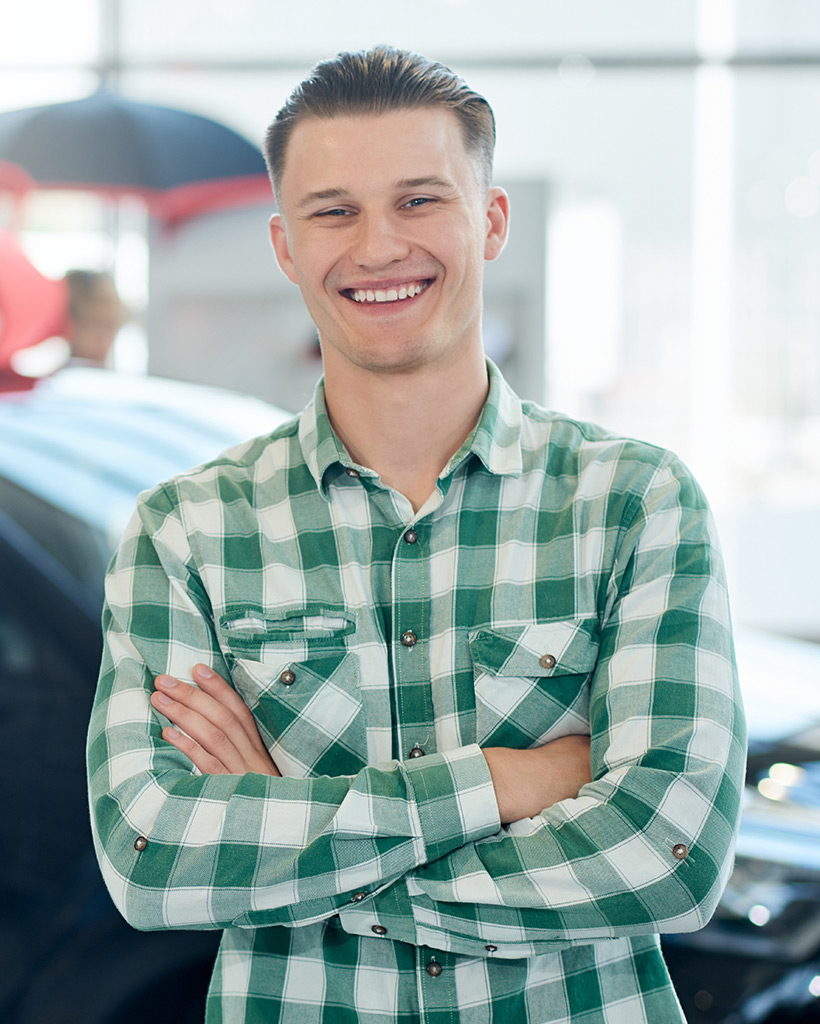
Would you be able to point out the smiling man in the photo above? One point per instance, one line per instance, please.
(465, 734)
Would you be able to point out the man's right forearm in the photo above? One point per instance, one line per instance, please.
(527, 781)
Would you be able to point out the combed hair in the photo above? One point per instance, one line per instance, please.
(377, 81)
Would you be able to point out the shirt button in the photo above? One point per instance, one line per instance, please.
(491, 949)
(680, 851)
(379, 929)
(433, 968)
(546, 661)
(417, 751)
(409, 638)
(352, 472)
(288, 678)
(140, 843)
(358, 897)
(411, 537)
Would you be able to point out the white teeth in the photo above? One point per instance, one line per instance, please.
(390, 295)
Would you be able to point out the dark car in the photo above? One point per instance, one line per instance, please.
(74, 452)
(758, 960)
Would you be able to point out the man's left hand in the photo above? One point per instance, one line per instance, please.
(221, 737)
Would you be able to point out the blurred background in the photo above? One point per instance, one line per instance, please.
(662, 277)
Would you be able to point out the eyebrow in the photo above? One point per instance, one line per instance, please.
(339, 193)
(321, 194)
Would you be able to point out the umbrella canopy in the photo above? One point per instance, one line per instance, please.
(181, 163)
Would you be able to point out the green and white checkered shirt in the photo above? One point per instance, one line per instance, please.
(560, 580)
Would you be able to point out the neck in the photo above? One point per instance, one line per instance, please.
(407, 425)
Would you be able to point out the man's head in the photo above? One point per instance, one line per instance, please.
(96, 314)
(386, 216)
(378, 81)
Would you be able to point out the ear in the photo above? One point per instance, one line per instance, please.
(281, 248)
(498, 220)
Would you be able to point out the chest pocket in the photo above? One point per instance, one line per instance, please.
(302, 683)
(532, 681)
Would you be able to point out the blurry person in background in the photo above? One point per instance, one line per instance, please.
(95, 315)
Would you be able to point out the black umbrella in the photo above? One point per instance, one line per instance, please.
(180, 163)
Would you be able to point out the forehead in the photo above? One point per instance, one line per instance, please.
(354, 152)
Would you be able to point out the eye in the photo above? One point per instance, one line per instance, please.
(418, 201)
(336, 211)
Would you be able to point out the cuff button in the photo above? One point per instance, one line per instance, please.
(140, 843)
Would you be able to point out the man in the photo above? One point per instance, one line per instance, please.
(96, 314)
(425, 595)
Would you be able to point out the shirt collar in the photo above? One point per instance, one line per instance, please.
(495, 440)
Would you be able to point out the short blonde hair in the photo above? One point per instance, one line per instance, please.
(377, 81)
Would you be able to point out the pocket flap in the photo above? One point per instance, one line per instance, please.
(566, 646)
(296, 632)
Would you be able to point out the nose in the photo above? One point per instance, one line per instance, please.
(378, 241)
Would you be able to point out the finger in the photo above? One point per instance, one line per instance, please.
(213, 726)
(215, 686)
(224, 714)
(207, 735)
(201, 759)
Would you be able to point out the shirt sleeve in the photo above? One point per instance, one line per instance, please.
(183, 850)
(647, 846)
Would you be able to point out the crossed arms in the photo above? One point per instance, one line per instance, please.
(645, 846)
(220, 737)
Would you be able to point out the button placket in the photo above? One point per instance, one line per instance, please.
(410, 588)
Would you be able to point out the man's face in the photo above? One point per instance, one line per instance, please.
(385, 228)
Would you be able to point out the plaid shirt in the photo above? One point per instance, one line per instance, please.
(560, 580)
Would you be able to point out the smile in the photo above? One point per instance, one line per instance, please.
(368, 295)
